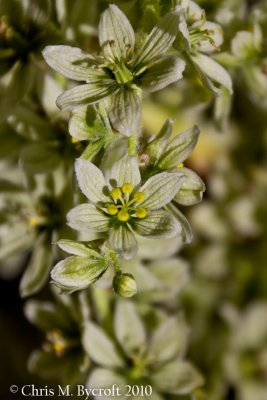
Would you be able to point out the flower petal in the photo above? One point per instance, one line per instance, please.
(77, 273)
(129, 328)
(116, 35)
(163, 73)
(90, 180)
(86, 217)
(100, 347)
(85, 94)
(86, 124)
(179, 148)
(168, 341)
(125, 110)
(211, 72)
(186, 233)
(178, 377)
(78, 248)
(102, 378)
(158, 223)
(126, 170)
(160, 38)
(70, 62)
(122, 240)
(192, 188)
(160, 189)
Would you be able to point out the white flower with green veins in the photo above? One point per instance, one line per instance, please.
(121, 71)
(121, 206)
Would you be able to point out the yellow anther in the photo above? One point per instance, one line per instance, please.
(74, 140)
(141, 212)
(112, 210)
(180, 165)
(123, 216)
(33, 221)
(139, 197)
(116, 193)
(59, 348)
(127, 188)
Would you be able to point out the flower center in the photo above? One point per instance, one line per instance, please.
(125, 203)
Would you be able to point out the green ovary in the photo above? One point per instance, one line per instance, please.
(124, 203)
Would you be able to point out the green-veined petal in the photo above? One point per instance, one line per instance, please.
(160, 38)
(159, 223)
(87, 218)
(163, 73)
(77, 273)
(160, 189)
(91, 180)
(116, 35)
(125, 110)
(70, 62)
(102, 378)
(125, 170)
(179, 149)
(122, 240)
(85, 94)
(78, 248)
(191, 191)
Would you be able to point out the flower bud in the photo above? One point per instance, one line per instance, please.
(124, 285)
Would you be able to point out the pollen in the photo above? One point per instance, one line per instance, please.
(116, 193)
(59, 348)
(112, 210)
(141, 212)
(74, 140)
(123, 216)
(33, 221)
(127, 188)
(139, 197)
(180, 165)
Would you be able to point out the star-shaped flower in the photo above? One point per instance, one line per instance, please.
(121, 71)
(120, 205)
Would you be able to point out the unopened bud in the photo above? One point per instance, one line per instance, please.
(124, 285)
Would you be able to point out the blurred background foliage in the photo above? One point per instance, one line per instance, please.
(219, 281)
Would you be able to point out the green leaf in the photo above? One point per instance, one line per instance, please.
(100, 347)
(161, 74)
(125, 110)
(37, 272)
(179, 149)
(78, 249)
(116, 35)
(102, 378)
(160, 189)
(91, 180)
(157, 224)
(168, 341)
(87, 218)
(77, 273)
(126, 170)
(40, 158)
(129, 328)
(177, 377)
(156, 147)
(89, 93)
(122, 240)
(186, 233)
(191, 191)
(160, 38)
(211, 73)
(70, 62)
(85, 124)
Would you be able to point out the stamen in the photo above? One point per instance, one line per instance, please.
(116, 193)
(123, 216)
(112, 210)
(139, 197)
(141, 212)
(127, 188)
(180, 165)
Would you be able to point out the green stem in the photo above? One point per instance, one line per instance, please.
(116, 264)
(132, 145)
